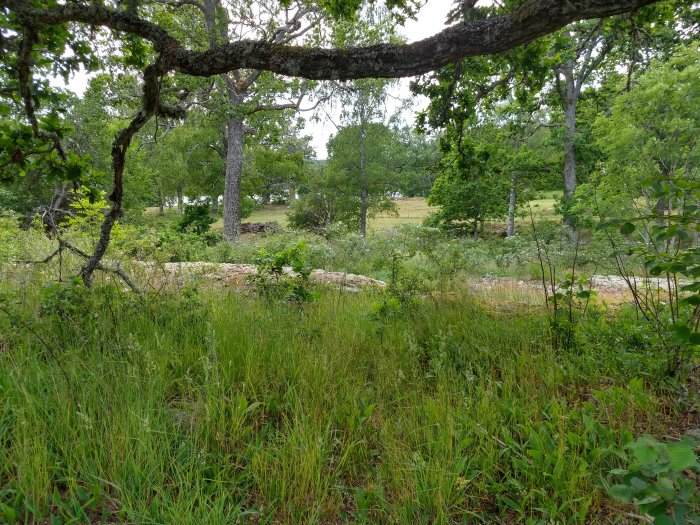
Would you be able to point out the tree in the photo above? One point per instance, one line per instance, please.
(582, 49)
(648, 186)
(251, 94)
(357, 181)
(524, 155)
(275, 172)
(414, 156)
(368, 166)
(561, 65)
(472, 186)
(185, 161)
(649, 139)
(38, 33)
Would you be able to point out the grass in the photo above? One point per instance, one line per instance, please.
(219, 407)
(410, 211)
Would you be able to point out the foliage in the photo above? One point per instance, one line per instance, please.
(332, 193)
(10, 234)
(470, 188)
(456, 401)
(195, 219)
(648, 189)
(284, 274)
(656, 481)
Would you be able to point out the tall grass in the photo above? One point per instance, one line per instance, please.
(218, 407)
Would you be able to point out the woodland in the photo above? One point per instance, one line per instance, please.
(480, 303)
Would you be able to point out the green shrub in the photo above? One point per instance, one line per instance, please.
(656, 481)
(284, 274)
(195, 219)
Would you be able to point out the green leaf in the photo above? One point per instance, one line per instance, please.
(621, 492)
(627, 228)
(681, 456)
(512, 504)
(644, 451)
(665, 488)
(663, 520)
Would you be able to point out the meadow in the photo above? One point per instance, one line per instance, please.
(421, 402)
(410, 210)
(222, 407)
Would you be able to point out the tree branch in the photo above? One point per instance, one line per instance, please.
(151, 105)
(24, 65)
(475, 37)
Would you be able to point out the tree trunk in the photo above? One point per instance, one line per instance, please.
(161, 204)
(660, 210)
(570, 103)
(510, 227)
(363, 180)
(234, 173)
(180, 200)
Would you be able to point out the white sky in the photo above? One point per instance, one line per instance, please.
(430, 20)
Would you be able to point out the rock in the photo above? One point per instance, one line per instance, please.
(259, 227)
(693, 433)
(236, 275)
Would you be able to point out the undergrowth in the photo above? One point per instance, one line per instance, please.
(222, 407)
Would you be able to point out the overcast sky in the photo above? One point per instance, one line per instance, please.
(430, 20)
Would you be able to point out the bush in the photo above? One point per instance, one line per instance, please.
(274, 279)
(195, 219)
(9, 236)
(314, 211)
(656, 481)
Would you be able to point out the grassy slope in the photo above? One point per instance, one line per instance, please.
(210, 408)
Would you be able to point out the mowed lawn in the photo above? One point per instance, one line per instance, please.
(410, 211)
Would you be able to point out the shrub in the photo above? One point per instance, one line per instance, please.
(274, 279)
(195, 219)
(656, 481)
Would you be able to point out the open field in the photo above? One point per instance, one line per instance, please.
(443, 395)
(411, 211)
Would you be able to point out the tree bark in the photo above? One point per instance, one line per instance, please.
(363, 179)
(510, 227)
(570, 103)
(161, 204)
(180, 200)
(495, 34)
(235, 131)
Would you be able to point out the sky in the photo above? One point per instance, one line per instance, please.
(429, 21)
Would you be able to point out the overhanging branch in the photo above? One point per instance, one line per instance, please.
(476, 37)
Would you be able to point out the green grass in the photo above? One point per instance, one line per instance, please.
(215, 407)
(268, 213)
(410, 211)
(542, 207)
